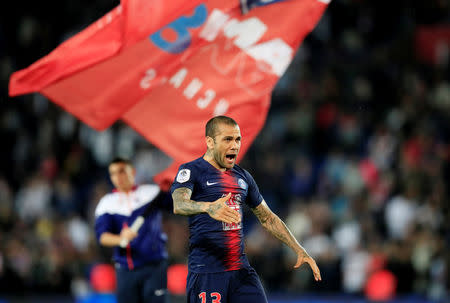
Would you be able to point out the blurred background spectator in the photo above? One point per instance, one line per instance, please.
(354, 156)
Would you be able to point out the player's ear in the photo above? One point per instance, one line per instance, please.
(209, 142)
(133, 171)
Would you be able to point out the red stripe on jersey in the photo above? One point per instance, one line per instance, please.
(234, 236)
(233, 258)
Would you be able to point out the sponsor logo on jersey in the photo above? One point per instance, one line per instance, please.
(183, 175)
(235, 203)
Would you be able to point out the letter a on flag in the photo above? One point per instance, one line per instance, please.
(167, 67)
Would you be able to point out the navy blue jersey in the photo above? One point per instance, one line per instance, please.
(216, 246)
(117, 209)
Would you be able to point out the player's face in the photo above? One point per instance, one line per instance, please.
(226, 145)
(122, 176)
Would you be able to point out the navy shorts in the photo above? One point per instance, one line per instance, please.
(144, 284)
(237, 286)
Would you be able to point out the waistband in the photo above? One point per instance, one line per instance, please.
(154, 263)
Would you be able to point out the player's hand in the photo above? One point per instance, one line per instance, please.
(219, 210)
(303, 257)
(128, 233)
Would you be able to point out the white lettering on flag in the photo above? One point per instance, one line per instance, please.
(248, 32)
(275, 52)
(193, 88)
(221, 107)
(150, 74)
(213, 25)
(178, 78)
(202, 103)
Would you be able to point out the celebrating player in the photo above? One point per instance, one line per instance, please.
(218, 267)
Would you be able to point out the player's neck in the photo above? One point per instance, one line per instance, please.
(210, 159)
(127, 190)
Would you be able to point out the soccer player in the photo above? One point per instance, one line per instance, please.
(211, 191)
(141, 265)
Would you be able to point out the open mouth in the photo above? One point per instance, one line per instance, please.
(230, 157)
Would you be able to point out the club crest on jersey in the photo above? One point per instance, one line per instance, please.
(242, 183)
(183, 175)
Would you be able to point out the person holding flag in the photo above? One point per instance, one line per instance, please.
(129, 220)
(218, 267)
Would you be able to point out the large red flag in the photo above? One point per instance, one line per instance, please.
(109, 38)
(167, 81)
(233, 74)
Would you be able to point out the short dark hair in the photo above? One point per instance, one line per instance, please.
(120, 160)
(212, 125)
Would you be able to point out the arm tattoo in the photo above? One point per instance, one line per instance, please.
(212, 209)
(276, 226)
(182, 203)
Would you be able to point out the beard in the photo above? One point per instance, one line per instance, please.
(219, 160)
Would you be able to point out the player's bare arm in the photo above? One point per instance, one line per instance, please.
(109, 239)
(182, 203)
(276, 227)
(218, 210)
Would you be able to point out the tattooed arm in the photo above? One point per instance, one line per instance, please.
(183, 205)
(276, 227)
(218, 210)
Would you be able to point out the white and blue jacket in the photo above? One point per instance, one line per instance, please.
(117, 209)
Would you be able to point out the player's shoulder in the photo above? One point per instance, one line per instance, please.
(241, 170)
(109, 197)
(147, 192)
(147, 188)
(106, 203)
(193, 167)
(194, 164)
(190, 171)
(243, 175)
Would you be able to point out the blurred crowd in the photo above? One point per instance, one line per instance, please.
(354, 157)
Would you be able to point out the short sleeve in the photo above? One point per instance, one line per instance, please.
(185, 178)
(254, 198)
